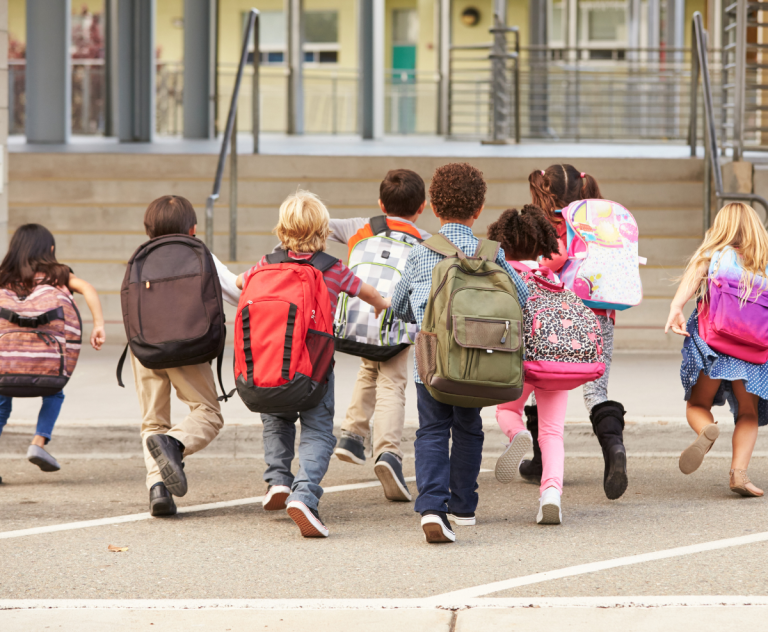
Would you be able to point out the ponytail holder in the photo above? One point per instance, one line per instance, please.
(582, 175)
(542, 173)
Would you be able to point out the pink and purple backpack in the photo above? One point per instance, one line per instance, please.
(563, 339)
(728, 324)
(602, 266)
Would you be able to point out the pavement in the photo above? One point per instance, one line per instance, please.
(674, 551)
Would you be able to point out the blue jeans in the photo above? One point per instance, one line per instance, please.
(447, 481)
(315, 449)
(49, 413)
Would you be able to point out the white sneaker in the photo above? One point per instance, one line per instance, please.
(308, 520)
(462, 520)
(549, 507)
(275, 498)
(508, 465)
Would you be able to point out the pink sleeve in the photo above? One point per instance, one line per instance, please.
(249, 273)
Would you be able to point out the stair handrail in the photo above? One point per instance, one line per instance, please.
(712, 167)
(251, 28)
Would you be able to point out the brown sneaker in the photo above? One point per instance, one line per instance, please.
(693, 456)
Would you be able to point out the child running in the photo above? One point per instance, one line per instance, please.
(446, 478)
(30, 262)
(525, 236)
(734, 251)
(552, 190)
(303, 229)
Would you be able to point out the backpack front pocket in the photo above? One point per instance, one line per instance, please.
(488, 349)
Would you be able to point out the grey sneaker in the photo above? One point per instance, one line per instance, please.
(43, 460)
(389, 469)
(351, 448)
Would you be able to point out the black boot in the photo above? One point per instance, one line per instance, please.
(531, 470)
(608, 423)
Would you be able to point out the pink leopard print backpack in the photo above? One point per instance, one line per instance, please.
(563, 339)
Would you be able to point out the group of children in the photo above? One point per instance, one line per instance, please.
(449, 439)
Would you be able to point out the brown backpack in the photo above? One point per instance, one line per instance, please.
(172, 307)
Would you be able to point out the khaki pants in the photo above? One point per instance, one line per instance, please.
(196, 388)
(380, 392)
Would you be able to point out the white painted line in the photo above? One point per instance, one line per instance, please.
(101, 522)
(593, 567)
(379, 604)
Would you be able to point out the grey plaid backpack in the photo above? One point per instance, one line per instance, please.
(377, 254)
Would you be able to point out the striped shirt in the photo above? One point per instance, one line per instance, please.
(412, 292)
(338, 278)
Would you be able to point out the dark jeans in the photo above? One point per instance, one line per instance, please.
(447, 482)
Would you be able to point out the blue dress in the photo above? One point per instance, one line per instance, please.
(698, 356)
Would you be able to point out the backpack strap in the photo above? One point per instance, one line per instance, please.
(279, 256)
(440, 244)
(379, 225)
(488, 249)
(120, 364)
(224, 395)
(32, 321)
(321, 261)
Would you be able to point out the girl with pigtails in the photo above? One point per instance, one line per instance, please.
(552, 190)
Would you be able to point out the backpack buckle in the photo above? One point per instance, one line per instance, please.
(26, 321)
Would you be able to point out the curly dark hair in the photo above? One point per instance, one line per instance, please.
(457, 191)
(525, 234)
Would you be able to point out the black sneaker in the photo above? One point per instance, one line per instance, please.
(161, 501)
(436, 527)
(307, 519)
(389, 469)
(351, 448)
(168, 455)
(462, 519)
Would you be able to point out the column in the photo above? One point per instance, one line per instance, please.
(635, 19)
(135, 107)
(675, 31)
(3, 130)
(572, 26)
(443, 8)
(654, 26)
(49, 72)
(371, 55)
(538, 93)
(199, 68)
(295, 45)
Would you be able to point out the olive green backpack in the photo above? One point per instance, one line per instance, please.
(470, 348)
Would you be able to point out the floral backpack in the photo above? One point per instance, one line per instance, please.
(563, 340)
(602, 266)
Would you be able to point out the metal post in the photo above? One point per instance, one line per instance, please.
(654, 26)
(692, 129)
(371, 87)
(499, 85)
(295, 40)
(572, 28)
(199, 70)
(538, 114)
(110, 68)
(85, 107)
(740, 77)
(634, 11)
(233, 194)
(48, 72)
(443, 66)
(256, 89)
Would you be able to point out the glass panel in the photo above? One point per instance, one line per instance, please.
(321, 27)
(405, 26)
(556, 23)
(607, 25)
(328, 57)
(272, 29)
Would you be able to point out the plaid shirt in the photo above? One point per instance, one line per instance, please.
(412, 292)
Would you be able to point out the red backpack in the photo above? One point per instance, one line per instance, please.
(284, 335)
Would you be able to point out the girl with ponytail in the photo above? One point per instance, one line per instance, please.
(553, 189)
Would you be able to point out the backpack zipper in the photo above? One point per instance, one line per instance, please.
(506, 331)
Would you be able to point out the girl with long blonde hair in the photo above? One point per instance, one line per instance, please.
(734, 248)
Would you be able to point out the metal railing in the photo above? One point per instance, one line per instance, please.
(230, 137)
(712, 167)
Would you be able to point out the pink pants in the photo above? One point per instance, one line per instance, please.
(551, 405)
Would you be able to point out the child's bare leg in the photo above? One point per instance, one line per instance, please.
(699, 415)
(745, 433)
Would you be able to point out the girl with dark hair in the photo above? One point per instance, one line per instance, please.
(30, 262)
(526, 236)
(552, 190)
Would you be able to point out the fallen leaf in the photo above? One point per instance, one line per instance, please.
(116, 549)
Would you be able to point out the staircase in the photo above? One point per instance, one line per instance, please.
(94, 204)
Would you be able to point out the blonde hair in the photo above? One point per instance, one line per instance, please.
(738, 226)
(303, 225)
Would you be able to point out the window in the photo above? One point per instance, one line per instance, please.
(601, 25)
(321, 37)
(405, 27)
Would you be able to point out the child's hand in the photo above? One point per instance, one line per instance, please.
(676, 322)
(98, 336)
(382, 306)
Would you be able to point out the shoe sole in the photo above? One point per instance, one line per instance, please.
(43, 464)
(693, 456)
(462, 522)
(436, 533)
(393, 489)
(508, 465)
(276, 501)
(745, 493)
(306, 526)
(550, 514)
(162, 508)
(616, 482)
(174, 478)
(348, 457)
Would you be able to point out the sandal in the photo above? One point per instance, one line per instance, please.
(693, 456)
(739, 482)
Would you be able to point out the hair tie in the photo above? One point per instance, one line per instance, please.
(543, 173)
(582, 175)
